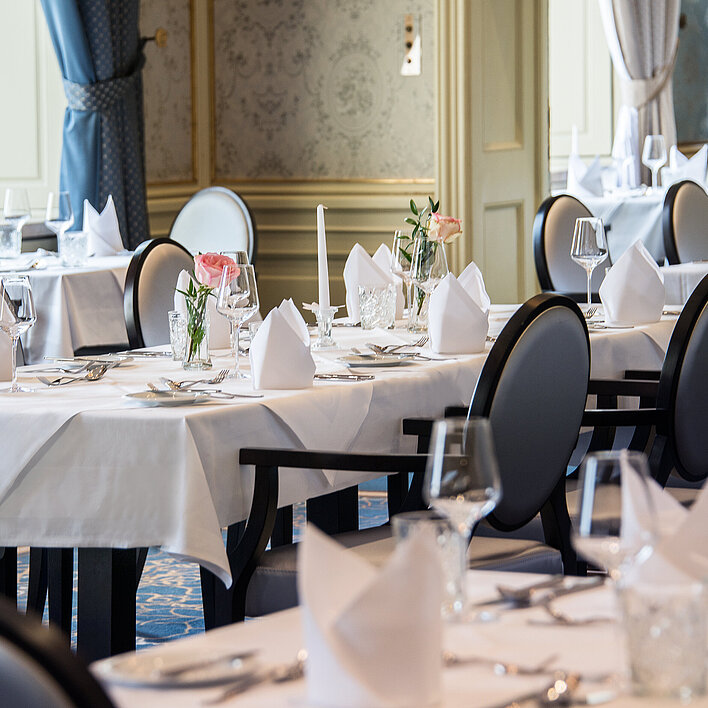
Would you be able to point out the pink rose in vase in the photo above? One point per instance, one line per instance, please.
(208, 268)
(444, 229)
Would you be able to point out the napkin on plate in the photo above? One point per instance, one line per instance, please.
(682, 167)
(584, 180)
(382, 258)
(219, 328)
(373, 636)
(457, 323)
(633, 292)
(103, 231)
(280, 359)
(360, 269)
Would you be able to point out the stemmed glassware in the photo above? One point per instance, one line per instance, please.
(429, 264)
(16, 212)
(462, 478)
(401, 260)
(17, 315)
(240, 258)
(589, 246)
(606, 529)
(237, 300)
(59, 215)
(654, 156)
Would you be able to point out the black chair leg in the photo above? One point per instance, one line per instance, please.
(8, 573)
(38, 582)
(60, 576)
(283, 529)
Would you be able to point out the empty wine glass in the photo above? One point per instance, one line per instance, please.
(462, 478)
(17, 315)
(59, 215)
(16, 212)
(614, 522)
(589, 246)
(240, 258)
(401, 259)
(654, 156)
(237, 300)
(429, 264)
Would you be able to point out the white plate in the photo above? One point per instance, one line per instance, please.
(377, 360)
(169, 398)
(146, 668)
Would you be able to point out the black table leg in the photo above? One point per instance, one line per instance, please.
(60, 575)
(37, 585)
(106, 602)
(8, 573)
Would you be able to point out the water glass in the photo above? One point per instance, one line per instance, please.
(589, 247)
(377, 306)
(452, 549)
(654, 156)
(178, 334)
(665, 631)
(73, 247)
(16, 211)
(10, 241)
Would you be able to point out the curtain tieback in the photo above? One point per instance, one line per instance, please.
(101, 95)
(639, 92)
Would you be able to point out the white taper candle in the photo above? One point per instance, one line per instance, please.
(322, 271)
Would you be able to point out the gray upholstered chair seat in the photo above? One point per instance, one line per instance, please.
(273, 586)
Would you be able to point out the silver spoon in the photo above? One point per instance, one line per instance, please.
(501, 668)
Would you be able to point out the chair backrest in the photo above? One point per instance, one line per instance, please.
(685, 222)
(533, 388)
(683, 388)
(552, 238)
(37, 668)
(150, 290)
(216, 219)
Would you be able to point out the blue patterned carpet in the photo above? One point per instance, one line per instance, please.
(169, 601)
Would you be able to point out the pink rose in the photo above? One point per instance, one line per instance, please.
(444, 228)
(208, 267)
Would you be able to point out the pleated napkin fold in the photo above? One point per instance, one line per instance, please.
(360, 269)
(104, 237)
(295, 320)
(373, 636)
(382, 258)
(584, 180)
(280, 359)
(682, 167)
(219, 329)
(633, 291)
(457, 322)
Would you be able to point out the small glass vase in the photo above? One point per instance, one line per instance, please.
(418, 311)
(196, 350)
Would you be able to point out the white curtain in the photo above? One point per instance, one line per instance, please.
(643, 38)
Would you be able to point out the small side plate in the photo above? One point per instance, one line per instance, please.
(169, 398)
(377, 360)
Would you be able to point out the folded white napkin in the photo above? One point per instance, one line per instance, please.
(472, 281)
(382, 258)
(360, 269)
(457, 323)
(103, 231)
(295, 320)
(280, 358)
(584, 180)
(682, 167)
(219, 328)
(633, 290)
(5, 354)
(373, 636)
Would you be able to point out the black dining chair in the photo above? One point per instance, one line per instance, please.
(684, 222)
(533, 389)
(150, 289)
(216, 219)
(552, 238)
(38, 669)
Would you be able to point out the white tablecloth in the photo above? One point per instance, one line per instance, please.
(76, 307)
(591, 650)
(680, 280)
(83, 466)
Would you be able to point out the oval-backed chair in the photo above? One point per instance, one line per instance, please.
(684, 223)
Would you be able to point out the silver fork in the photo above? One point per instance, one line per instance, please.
(590, 312)
(391, 348)
(501, 668)
(177, 385)
(93, 374)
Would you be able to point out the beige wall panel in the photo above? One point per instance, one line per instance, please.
(502, 251)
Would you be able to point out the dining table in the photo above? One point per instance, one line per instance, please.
(476, 661)
(681, 279)
(77, 306)
(94, 465)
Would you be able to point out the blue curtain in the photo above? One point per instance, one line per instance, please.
(98, 46)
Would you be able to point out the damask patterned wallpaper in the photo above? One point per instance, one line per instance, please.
(308, 89)
(167, 88)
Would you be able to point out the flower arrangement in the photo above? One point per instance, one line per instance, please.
(433, 225)
(207, 274)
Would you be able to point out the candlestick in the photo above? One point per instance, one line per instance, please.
(322, 270)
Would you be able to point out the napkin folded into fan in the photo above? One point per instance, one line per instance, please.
(280, 351)
(362, 269)
(103, 231)
(458, 315)
(584, 180)
(219, 328)
(682, 167)
(633, 291)
(373, 636)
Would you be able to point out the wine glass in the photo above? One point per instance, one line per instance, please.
(461, 477)
(654, 156)
(614, 524)
(59, 215)
(401, 259)
(16, 212)
(589, 246)
(237, 300)
(17, 315)
(240, 258)
(429, 264)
